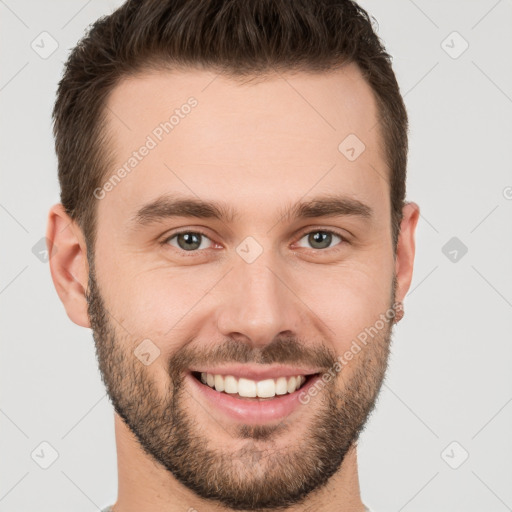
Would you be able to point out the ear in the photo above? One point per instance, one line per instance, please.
(404, 260)
(68, 263)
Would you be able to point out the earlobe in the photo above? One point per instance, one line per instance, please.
(404, 263)
(68, 263)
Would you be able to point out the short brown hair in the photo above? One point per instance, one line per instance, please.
(238, 38)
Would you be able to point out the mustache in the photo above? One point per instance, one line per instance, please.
(282, 350)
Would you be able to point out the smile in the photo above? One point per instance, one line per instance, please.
(248, 388)
(247, 400)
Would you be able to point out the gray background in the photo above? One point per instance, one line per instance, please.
(448, 392)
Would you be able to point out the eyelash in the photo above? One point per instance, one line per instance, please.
(344, 240)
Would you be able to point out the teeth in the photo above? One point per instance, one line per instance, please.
(281, 386)
(230, 384)
(292, 384)
(266, 388)
(248, 388)
(219, 382)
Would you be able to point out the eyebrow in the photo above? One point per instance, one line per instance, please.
(169, 206)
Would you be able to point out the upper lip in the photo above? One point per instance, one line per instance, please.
(257, 372)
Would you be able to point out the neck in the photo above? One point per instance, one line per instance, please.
(143, 484)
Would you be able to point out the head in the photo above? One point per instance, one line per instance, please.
(233, 193)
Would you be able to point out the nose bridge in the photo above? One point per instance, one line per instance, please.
(257, 303)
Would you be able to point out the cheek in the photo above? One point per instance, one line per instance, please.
(156, 303)
(347, 298)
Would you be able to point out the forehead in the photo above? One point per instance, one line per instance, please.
(280, 137)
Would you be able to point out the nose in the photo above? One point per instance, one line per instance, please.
(258, 302)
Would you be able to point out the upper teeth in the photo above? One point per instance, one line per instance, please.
(251, 388)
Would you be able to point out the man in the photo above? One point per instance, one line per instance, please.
(234, 231)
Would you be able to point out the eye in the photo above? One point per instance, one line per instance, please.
(192, 241)
(188, 241)
(321, 238)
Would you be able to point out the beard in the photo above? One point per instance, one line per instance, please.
(256, 475)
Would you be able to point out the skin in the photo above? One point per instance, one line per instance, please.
(257, 147)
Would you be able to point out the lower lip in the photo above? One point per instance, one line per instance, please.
(252, 411)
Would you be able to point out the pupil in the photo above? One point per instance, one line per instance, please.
(321, 237)
(192, 239)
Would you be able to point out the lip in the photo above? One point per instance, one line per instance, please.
(257, 373)
(254, 411)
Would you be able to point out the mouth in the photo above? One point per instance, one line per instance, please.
(248, 389)
(268, 400)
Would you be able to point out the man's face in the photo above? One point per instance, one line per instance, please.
(264, 290)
